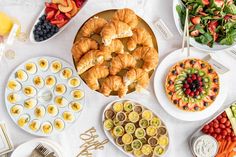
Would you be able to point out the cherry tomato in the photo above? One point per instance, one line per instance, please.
(205, 131)
(234, 138)
(218, 130)
(224, 133)
(206, 127)
(216, 125)
(219, 137)
(224, 114)
(232, 134)
(228, 138)
(211, 130)
(211, 123)
(214, 135)
(215, 121)
(222, 126)
(227, 123)
(223, 120)
(219, 117)
(228, 130)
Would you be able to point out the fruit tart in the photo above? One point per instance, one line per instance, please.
(192, 85)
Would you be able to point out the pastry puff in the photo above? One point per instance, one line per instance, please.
(113, 83)
(113, 30)
(90, 59)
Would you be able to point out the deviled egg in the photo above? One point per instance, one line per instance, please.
(31, 68)
(66, 73)
(68, 116)
(56, 66)
(60, 101)
(74, 82)
(46, 127)
(13, 98)
(21, 75)
(75, 106)
(77, 94)
(23, 120)
(50, 81)
(39, 112)
(38, 81)
(30, 103)
(16, 110)
(29, 91)
(13, 85)
(43, 64)
(59, 124)
(60, 89)
(34, 125)
(52, 110)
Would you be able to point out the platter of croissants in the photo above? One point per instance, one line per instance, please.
(115, 52)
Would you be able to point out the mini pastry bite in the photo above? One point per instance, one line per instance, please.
(161, 130)
(158, 150)
(31, 68)
(140, 133)
(13, 85)
(152, 141)
(192, 85)
(140, 37)
(93, 26)
(130, 128)
(122, 61)
(60, 89)
(30, 103)
(13, 98)
(46, 128)
(59, 124)
(138, 109)
(21, 75)
(75, 106)
(133, 117)
(43, 64)
(146, 149)
(163, 141)
(38, 81)
(34, 125)
(147, 114)
(118, 131)
(68, 116)
(29, 91)
(23, 120)
(155, 121)
(82, 46)
(143, 123)
(50, 81)
(126, 15)
(118, 106)
(55, 66)
(113, 30)
(119, 141)
(16, 110)
(151, 130)
(138, 77)
(138, 153)
(136, 144)
(39, 112)
(60, 101)
(116, 46)
(74, 82)
(127, 139)
(110, 114)
(113, 83)
(148, 55)
(108, 124)
(94, 74)
(77, 94)
(121, 116)
(128, 148)
(128, 106)
(52, 110)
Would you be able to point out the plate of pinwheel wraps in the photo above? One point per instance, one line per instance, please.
(115, 52)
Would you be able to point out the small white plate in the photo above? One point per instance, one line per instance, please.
(25, 149)
(216, 47)
(159, 80)
(111, 139)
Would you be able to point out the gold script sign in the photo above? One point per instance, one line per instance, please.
(91, 143)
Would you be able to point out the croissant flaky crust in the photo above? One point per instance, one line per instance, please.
(113, 30)
(149, 56)
(94, 74)
(113, 83)
(140, 37)
(83, 45)
(138, 76)
(122, 61)
(126, 15)
(93, 26)
(116, 46)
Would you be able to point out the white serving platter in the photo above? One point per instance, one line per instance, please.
(59, 80)
(111, 139)
(159, 81)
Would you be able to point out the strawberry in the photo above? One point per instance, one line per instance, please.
(194, 33)
(55, 21)
(196, 20)
(50, 15)
(212, 26)
(205, 2)
(60, 16)
(203, 13)
(62, 23)
(79, 3)
(47, 10)
(219, 3)
(68, 15)
(51, 5)
(215, 36)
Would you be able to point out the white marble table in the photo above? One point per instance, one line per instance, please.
(60, 46)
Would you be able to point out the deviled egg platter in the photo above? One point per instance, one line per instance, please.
(44, 95)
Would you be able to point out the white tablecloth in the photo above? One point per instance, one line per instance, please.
(27, 11)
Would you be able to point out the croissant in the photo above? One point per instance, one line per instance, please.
(137, 76)
(95, 73)
(127, 16)
(120, 62)
(91, 58)
(116, 46)
(113, 83)
(82, 46)
(113, 30)
(149, 56)
(140, 36)
(93, 26)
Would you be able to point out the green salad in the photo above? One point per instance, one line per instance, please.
(210, 21)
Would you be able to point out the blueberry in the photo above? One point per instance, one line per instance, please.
(181, 65)
(40, 32)
(215, 90)
(170, 93)
(175, 101)
(41, 39)
(185, 107)
(192, 62)
(196, 108)
(48, 35)
(215, 80)
(205, 104)
(39, 28)
(210, 70)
